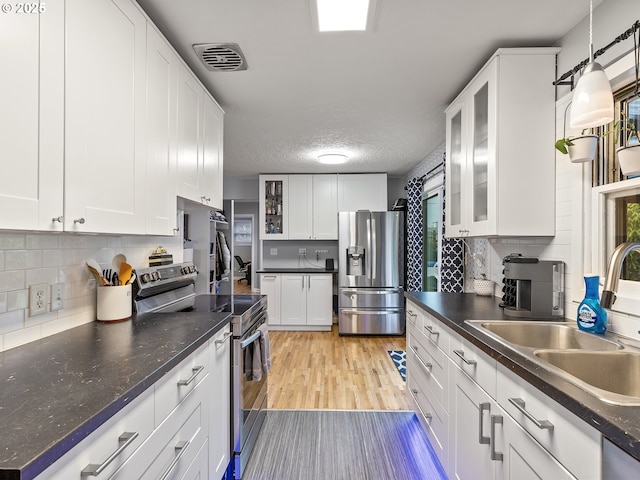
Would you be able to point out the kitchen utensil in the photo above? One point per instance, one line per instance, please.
(117, 261)
(125, 273)
(92, 264)
(132, 279)
(107, 273)
(115, 279)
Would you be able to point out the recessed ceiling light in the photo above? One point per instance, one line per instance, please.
(332, 159)
(342, 15)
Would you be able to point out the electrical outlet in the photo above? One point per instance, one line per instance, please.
(302, 252)
(38, 299)
(274, 251)
(57, 294)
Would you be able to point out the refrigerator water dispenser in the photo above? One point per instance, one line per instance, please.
(355, 261)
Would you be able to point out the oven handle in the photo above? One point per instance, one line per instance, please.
(251, 339)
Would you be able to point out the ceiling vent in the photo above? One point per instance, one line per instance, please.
(221, 57)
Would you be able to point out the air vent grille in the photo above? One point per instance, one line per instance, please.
(221, 57)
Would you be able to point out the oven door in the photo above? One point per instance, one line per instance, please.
(249, 396)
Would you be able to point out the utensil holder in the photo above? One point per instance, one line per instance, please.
(114, 303)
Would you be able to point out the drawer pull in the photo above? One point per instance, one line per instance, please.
(93, 470)
(460, 353)
(430, 329)
(496, 456)
(196, 371)
(427, 416)
(481, 438)
(427, 365)
(181, 447)
(224, 339)
(520, 405)
(411, 314)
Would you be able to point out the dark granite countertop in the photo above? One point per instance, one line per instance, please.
(620, 424)
(295, 270)
(58, 390)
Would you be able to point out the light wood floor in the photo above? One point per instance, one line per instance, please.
(322, 370)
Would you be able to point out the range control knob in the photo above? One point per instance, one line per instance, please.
(145, 278)
(192, 268)
(155, 276)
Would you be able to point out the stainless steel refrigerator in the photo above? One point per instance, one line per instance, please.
(371, 268)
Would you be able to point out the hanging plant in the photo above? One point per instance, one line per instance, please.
(581, 148)
(629, 153)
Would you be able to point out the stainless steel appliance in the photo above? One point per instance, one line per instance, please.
(371, 273)
(535, 287)
(171, 288)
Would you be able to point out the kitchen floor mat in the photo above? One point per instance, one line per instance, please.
(399, 358)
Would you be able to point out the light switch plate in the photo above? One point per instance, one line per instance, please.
(57, 296)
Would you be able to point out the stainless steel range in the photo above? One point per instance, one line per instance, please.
(171, 288)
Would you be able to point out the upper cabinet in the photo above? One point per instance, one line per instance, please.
(274, 207)
(32, 120)
(362, 192)
(497, 184)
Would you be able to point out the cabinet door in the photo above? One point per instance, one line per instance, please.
(211, 178)
(455, 222)
(470, 423)
(301, 207)
(220, 407)
(325, 207)
(189, 154)
(105, 116)
(319, 300)
(294, 296)
(162, 82)
(362, 192)
(274, 207)
(270, 285)
(32, 120)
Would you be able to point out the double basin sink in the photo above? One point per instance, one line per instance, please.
(600, 365)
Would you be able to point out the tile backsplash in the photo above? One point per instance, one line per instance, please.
(39, 258)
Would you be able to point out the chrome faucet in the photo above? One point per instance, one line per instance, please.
(613, 272)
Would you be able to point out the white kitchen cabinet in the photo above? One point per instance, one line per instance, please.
(105, 117)
(493, 169)
(271, 286)
(212, 156)
(32, 120)
(219, 399)
(162, 83)
(313, 207)
(362, 192)
(274, 207)
(477, 422)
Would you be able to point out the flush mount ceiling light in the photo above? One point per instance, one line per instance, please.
(343, 15)
(332, 159)
(592, 103)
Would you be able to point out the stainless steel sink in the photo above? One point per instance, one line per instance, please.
(613, 376)
(544, 335)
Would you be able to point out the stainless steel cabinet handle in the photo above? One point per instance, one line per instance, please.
(226, 337)
(481, 438)
(181, 447)
(125, 440)
(430, 329)
(57, 219)
(497, 456)
(412, 314)
(460, 353)
(205, 199)
(427, 416)
(196, 371)
(427, 365)
(520, 405)
(79, 220)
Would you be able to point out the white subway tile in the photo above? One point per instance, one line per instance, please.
(3, 302)
(12, 280)
(11, 321)
(21, 337)
(42, 275)
(17, 299)
(56, 326)
(22, 259)
(52, 258)
(42, 241)
(11, 241)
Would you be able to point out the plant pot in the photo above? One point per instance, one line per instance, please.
(583, 148)
(629, 159)
(483, 287)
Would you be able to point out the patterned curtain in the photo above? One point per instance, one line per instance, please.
(452, 268)
(414, 235)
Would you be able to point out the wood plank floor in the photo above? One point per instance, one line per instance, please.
(338, 445)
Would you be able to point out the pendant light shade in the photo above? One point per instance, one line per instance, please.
(592, 103)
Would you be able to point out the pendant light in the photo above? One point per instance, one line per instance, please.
(592, 103)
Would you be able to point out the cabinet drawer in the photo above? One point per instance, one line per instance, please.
(176, 385)
(435, 374)
(566, 437)
(433, 418)
(436, 332)
(475, 363)
(124, 432)
(413, 315)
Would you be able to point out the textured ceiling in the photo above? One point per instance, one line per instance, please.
(377, 96)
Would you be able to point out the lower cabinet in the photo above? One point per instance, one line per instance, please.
(300, 301)
(177, 429)
(485, 422)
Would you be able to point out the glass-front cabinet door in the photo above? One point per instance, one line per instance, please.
(456, 166)
(274, 207)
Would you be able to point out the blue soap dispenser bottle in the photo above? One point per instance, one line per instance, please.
(591, 316)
